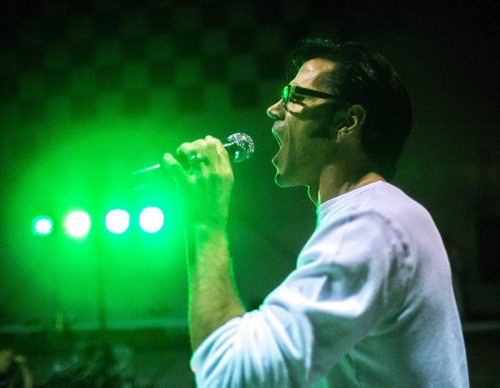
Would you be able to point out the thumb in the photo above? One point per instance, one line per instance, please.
(173, 166)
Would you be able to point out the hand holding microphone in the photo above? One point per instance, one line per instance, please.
(204, 177)
(239, 146)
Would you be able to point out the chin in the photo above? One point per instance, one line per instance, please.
(279, 182)
(279, 179)
(283, 181)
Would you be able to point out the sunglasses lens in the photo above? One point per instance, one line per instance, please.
(285, 94)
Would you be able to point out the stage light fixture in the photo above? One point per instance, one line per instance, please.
(117, 221)
(77, 224)
(151, 219)
(42, 226)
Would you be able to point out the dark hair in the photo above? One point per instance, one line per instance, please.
(364, 77)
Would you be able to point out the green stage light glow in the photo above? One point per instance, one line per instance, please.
(151, 219)
(117, 221)
(42, 226)
(77, 224)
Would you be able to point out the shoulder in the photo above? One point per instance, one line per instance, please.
(378, 205)
(355, 235)
(373, 221)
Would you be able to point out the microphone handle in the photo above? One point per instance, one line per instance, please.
(229, 148)
(146, 170)
(154, 175)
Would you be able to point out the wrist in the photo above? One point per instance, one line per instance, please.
(207, 245)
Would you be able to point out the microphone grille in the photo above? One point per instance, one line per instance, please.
(242, 146)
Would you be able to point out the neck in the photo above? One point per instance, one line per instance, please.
(334, 183)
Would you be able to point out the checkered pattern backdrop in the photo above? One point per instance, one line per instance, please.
(68, 66)
(69, 61)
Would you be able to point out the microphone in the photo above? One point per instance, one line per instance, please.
(239, 146)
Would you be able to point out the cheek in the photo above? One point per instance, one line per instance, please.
(321, 130)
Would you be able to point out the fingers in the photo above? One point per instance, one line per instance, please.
(209, 147)
(174, 167)
(198, 157)
(203, 152)
(221, 152)
(204, 178)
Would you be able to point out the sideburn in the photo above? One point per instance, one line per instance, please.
(324, 130)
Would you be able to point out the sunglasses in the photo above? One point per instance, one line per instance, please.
(289, 91)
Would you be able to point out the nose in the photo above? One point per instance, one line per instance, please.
(276, 111)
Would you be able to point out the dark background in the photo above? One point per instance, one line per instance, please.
(93, 90)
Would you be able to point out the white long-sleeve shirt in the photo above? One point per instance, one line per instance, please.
(370, 304)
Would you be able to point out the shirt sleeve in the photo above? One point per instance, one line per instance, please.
(351, 272)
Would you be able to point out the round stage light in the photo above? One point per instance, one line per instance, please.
(77, 224)
(42, 226)
(151, 219)
(117, 221)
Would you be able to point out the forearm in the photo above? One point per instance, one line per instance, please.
(213, 296)
(204, 188)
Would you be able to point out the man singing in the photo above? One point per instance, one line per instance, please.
(371, 300)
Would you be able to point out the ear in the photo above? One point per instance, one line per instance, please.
(355, 119)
